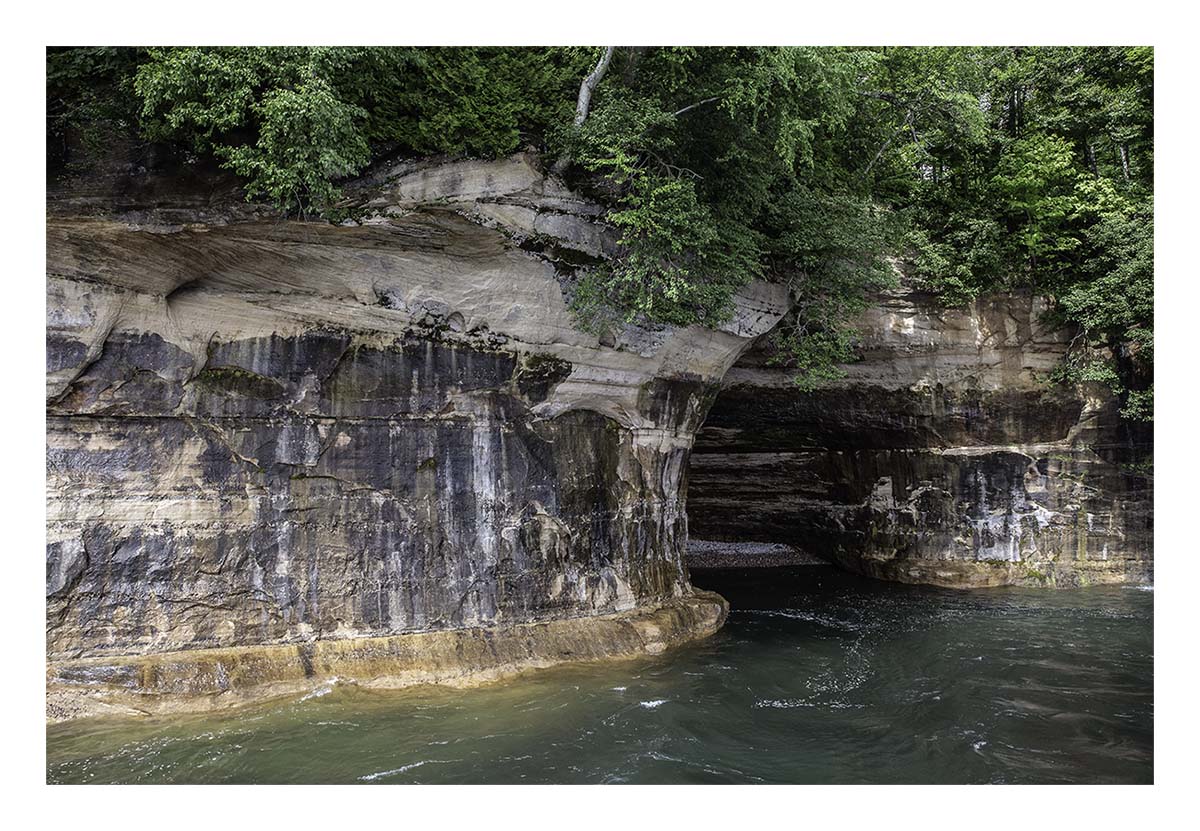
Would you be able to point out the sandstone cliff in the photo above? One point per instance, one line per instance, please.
(264, 431)
(279, 451)
(946, 456)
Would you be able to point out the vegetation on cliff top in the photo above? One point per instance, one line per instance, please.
(977, 169)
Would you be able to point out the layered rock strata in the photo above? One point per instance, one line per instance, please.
(266, 432)
(945, 456)
(203, 679)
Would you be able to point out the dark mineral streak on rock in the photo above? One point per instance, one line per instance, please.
(253, 514)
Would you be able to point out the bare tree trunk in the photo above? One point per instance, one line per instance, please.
(1091, 158)
(584, 102)
(589, 85)
(1125, 160)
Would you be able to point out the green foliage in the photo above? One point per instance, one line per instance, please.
(976, 169)
(1034, 184)
(484, 101)
(1112, 301)
(307, 139)
(294, 121)
(727, 165)
(88, 98)
(1031, 168)
(1139, 405)
(270, 114)
(1116, 300)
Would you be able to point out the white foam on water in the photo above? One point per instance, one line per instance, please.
(370, 777)
(324, 689)
(619, 689)
(800, 614)
(663, 757)
(650, 705)
(783, 703)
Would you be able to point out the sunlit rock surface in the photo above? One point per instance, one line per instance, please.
(263, 431)
(945, 456)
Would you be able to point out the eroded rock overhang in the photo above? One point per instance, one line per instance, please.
(263, 431)
(947, 455)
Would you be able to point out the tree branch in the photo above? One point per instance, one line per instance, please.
(889, 97)
(678, 113)
(673, 170)
(907, 124)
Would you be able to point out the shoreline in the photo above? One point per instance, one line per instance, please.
(202, 680)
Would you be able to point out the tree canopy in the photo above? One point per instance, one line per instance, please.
(976, 169)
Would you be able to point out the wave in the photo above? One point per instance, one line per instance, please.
(371, 777)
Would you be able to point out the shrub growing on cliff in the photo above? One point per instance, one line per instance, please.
(270, 114)
(294, 121)
(726, 165)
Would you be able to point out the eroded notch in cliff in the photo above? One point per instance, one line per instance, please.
(947, 455)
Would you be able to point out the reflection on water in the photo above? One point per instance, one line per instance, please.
(819, 676)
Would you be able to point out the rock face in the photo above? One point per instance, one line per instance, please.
(945, 457)
(269, 432)
(279, 451)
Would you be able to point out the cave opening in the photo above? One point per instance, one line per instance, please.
(916, 468)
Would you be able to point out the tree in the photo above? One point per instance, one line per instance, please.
(726, 165)
(294, 121)
(978, 169)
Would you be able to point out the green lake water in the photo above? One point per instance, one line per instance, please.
(818, 677)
